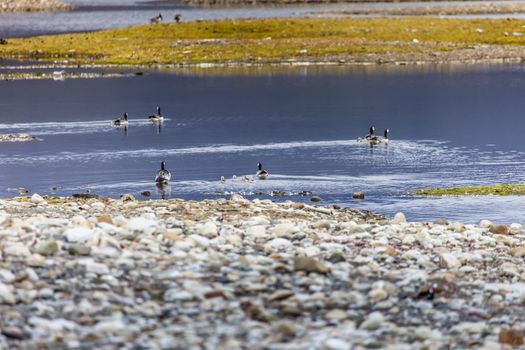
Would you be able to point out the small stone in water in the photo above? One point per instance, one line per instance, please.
(315, 199)
(358, 195)
(128, 197)
(146, 193)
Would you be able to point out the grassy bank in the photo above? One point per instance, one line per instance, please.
(283, 40)
(496, 190)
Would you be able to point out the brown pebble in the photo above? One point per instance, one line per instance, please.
(298, 205)
(511, 336)
(214, 294)
(307, 264)
(499, 229)
(441, 222)
(171, 235)
(105, 218)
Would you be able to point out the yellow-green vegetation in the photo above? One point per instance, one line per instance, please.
(275, 40)
(495, 190)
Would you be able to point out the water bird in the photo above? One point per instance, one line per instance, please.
(58, 75)
(156, 19)
(177, 17)
(157, 117)
(223, 180)
(121, 121)
(368, 136)
(247, 178)
(163, 189)
(163, 175)
(261, 173)
(234, 178)
(375, 140)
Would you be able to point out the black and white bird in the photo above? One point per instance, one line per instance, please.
(157, 117)
(369, 136)
(375, 140)
(121, 121)
(261, 174)
(156, 19)
(163, 175)
(177, 17)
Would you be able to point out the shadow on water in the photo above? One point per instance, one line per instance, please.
(450, 126)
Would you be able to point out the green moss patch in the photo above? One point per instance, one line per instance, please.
(269, 41)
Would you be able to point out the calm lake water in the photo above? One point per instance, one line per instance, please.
(92, 15)
(450, 126)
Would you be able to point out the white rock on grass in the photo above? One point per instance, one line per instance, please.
(37, 199)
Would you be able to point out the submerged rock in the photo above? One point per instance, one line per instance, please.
(358, 195)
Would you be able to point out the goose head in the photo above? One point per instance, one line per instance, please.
(259, 166)
(126, 116)
(372, 129)
(163, 165)
(386, 133)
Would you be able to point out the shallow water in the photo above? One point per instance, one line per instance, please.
(450, 126)
(92, 15)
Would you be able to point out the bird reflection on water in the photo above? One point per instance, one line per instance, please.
(163, 190)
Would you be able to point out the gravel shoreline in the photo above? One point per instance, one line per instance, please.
(33, 5)
(239, 274)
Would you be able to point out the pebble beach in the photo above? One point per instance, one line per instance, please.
(83, 273)
(33, 5)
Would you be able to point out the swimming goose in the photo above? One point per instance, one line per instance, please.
(157, 117)
(261, 173)
(223, 180)
(369, 136)
(163, 175)
(121, 121)
(157, 19)
(375, 140)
